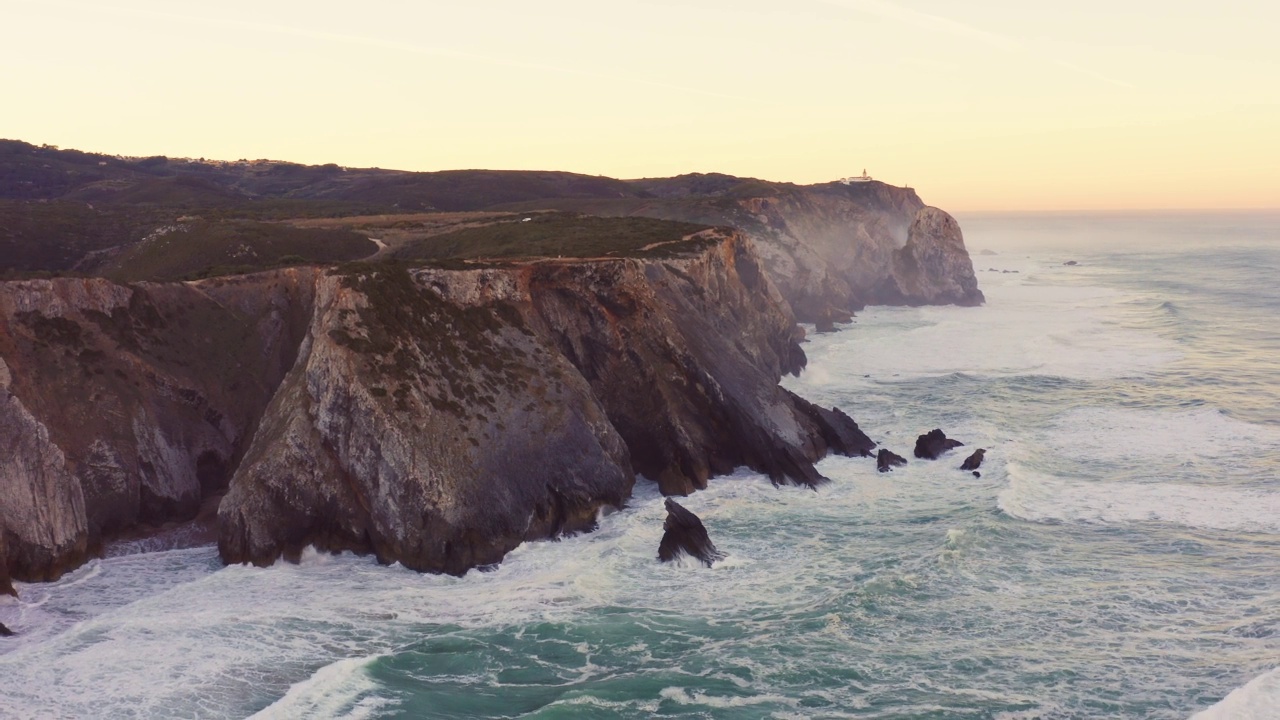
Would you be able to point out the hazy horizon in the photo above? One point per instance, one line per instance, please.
(995, 106)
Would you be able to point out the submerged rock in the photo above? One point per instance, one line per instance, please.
(685, 534)
(934, 443)
(5, 632)
(1070, 263)
(886, 460)
(974, 461)
(977, 474)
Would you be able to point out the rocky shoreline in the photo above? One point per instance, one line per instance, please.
(438, 415)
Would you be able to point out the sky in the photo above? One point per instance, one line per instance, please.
(980, 105)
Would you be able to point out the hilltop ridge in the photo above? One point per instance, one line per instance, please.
(831, 248)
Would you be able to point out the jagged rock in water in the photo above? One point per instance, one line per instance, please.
(974, 461)
(886, 460)
(839, 431)
(685, 534)
(933, 444)
(5, 632)
(977, 474)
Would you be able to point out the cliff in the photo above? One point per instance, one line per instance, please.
(437, 411)
(830, 249)
(129, 405)
(436, 417)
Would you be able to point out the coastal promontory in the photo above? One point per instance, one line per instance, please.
(430, 368)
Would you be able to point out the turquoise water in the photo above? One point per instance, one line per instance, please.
(1119, 557)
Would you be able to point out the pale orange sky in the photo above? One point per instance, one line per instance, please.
(984, 105)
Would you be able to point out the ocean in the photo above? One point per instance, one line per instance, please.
(1118, 558)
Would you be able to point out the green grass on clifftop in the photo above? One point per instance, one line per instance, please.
(193, 250)
(559, 234)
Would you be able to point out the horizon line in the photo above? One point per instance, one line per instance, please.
(958, 211)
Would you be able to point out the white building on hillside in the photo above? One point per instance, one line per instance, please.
(864, 177)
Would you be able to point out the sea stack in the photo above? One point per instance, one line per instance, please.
(974, 461)
(685, 534)
(934, 443)
(886, 460)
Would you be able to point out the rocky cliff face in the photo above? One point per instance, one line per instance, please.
(430, 433)
(433, 417)
(830, 249)
(833, 249)
(128, 405)
(932, 268)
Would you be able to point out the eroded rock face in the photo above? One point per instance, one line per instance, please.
(933, 444)
(832, 249)
(430, 434)
(887, 460)
(685, 355)
(126, 405)
(684, 534)
(933, 267)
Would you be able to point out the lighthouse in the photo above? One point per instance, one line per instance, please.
(864, 177)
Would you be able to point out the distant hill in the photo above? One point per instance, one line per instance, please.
(30, 172)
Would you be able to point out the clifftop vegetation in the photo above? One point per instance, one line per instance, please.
(71, 212)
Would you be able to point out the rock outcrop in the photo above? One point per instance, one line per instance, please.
(933, 444)
(932, 268)
(974, 461)
(432, 434)
(440, 417)
(887, 460)
(684, 534)
(5, 632)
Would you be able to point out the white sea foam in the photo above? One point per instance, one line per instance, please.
(1116, 434)
(342, 689)
(1024, 329)
(1258, 700)
(682, 696)
(1042, 497)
